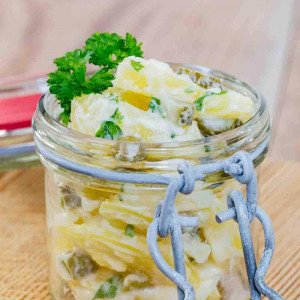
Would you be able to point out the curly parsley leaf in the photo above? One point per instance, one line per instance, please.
(136, 65)
(117, 116)
(129, 230)
(105, 50)
(109, 288)
(70, 81)
(99, 82)
(199, 102)
(109, 130)
(109, 49)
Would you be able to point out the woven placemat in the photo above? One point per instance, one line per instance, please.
(23, 252)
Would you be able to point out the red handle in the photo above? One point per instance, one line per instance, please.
(17, 112)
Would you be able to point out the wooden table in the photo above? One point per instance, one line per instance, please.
(23, 259)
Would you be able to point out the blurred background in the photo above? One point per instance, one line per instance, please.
(257, 41)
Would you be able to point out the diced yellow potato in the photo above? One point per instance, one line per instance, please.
(149, 126)
(129, 214)
(157, 79)
(232, 105)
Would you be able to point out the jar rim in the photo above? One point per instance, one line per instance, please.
(257, 127)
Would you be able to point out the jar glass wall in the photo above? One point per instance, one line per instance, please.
(97, 228)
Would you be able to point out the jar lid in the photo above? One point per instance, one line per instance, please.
(17, 112)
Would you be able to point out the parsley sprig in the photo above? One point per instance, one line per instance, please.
(109, 129)
(101, 49)
(199, 102)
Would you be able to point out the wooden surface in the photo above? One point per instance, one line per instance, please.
(257, 41)
(23, 259)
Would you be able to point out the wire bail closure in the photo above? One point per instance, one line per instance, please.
(239, 166)
(167, 221)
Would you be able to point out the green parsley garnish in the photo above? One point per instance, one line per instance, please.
(102, 49)
(199, 102)
(136, 65)
(189, 90)
(173, 135)
(109, 130)
(129, 230)
(154, 105)
(109, 288)
(117, 116)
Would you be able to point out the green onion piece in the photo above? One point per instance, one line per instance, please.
(136, 65)
(109, 288)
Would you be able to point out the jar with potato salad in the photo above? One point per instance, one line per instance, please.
(150, 118)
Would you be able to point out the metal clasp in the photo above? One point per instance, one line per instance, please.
(167, 221)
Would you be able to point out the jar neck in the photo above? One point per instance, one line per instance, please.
(126, 156)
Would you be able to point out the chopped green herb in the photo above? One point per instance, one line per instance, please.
(109, 130)
(199, 101)
(189, 90)
(122, 187)
(129, 230)
(136, 65)
(104, 50)
(154, 105)
(117, 116)
(173, 135)
(114, 98)
(109, 288)
(120, 197)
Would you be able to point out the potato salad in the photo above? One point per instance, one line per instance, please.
(98, 230)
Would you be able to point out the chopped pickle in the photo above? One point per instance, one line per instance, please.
(205, 81)
(77, 264)
(186, 116)
(69, 197)
(210, 126)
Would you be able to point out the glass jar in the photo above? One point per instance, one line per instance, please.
(18, 100)
(97, 228)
